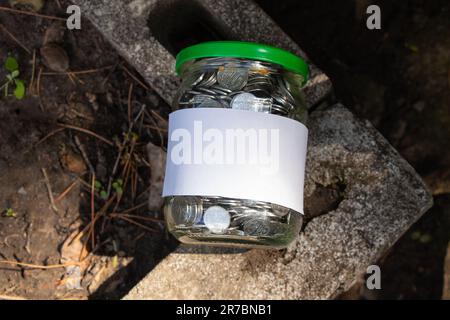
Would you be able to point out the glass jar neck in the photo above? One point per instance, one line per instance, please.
(221, 82)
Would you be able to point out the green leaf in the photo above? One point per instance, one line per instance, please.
(97, 184)
(103, 195)
(412, 47)
(416, 235)
(425, 238)
(10, 213)
(15, 74)
(11, 64)
(19, 92)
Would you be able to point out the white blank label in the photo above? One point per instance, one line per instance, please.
(236, 154)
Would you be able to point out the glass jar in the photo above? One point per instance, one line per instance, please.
(243, 76)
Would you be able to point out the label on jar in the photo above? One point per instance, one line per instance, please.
(236, 154)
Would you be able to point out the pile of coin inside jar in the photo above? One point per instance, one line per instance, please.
(253, 86)
(217, 215)
(241, 85)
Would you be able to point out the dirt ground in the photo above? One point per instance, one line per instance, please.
(102, 94)
(398, 78)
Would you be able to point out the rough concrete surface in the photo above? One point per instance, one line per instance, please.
(382, 197)
(125, 23)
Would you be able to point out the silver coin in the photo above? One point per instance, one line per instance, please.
(258, 226)
(204, 101)
(232, 78)
(217, 219)
(186, 211)
(210, 103)
(208, 79)
(192, 80)
(248, 101)
(200, 97)
(280, 210)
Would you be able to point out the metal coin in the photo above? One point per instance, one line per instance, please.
(192, 80)
(232, 78)
(210, 103)
(186, 211)
(258, 226)
(217, 219)
(279, 210)
(247, 101)
(208, 80)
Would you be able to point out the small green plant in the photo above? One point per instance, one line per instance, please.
(10, 213)
(118, 186)
(115, 260)
(421, 237)
(12, 79)
(99, 187)
(131, 136)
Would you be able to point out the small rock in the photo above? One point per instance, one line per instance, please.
(92, 100)
(22, 191)
(153, 100)
(72, 162)
(55, 57)
(419, 106)
(33, 5)
(54, 33)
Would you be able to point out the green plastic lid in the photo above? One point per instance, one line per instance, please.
(246, 50)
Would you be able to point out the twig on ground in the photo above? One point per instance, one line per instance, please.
(49, 190)
(130, 92)
(92, 231)
(155, 128)
(66, 191)
(136, 223)
(33, 72)
(134, 208)
(27, 244)
(134, 77)
(118, 215)
(29, 13)
(89, 132)
(36, 266)
(114, 171)
(144, 192)
(14, 38)
(97, 216)
(71, 78)
(79, 72)
(38, 89)
(109, 74)
(134, 184)
(49, 135)
(158, 116)
(84, 154)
